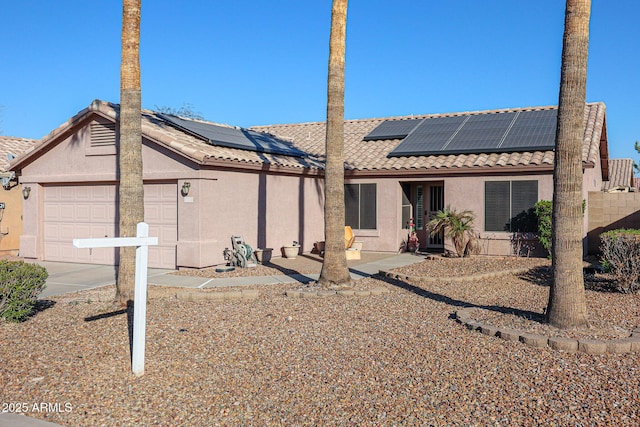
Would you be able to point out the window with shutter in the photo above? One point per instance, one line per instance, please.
(508, 205)
(360, 203)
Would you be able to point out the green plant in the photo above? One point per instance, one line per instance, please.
(621, 257)
(458, 226)
(543, 210)
(544, 213)
(20, 285)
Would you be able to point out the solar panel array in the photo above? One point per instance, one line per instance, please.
(231, 137)
(474, 133)
(393, 129)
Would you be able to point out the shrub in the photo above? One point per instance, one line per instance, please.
(621, 256)
(20, 285)
(543, 212)
(458, 226)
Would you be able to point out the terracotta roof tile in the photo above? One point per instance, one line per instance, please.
(15, 146)
(620, 174)
(373, 155)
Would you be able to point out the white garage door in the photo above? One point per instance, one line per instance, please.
(80, 211)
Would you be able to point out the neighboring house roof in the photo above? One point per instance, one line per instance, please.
(373, 155)
(620, 174)
(12, 146)
(364, 157)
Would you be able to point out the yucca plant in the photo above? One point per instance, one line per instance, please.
(458, 226)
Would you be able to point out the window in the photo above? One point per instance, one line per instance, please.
(360, 206)
(419, 207)
(406, 205)
(508, 205)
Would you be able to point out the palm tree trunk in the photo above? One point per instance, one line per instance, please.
(567, 305)
(335, 272)
(131, 192)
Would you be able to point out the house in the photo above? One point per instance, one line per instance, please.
(205, 182)
(11, 194)
(620, 176)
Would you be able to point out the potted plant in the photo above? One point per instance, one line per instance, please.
(291, 251)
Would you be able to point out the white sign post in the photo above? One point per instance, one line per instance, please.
(142, 241)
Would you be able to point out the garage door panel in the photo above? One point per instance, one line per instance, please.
(164, 255)
(90, 211)
(102, 213)
(51, 211)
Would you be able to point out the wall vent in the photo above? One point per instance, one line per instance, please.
(103, 134)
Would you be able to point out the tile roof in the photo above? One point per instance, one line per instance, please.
(360, 156)
(373, 155)
(154, 128)
(620, 174)
(13, 145)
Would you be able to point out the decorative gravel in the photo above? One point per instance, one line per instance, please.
(392, 359)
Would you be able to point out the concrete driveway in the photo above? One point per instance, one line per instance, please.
(65, 277)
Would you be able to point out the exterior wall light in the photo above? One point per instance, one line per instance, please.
(185, 188)
(25, 192)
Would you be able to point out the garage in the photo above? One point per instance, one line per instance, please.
(84, 211)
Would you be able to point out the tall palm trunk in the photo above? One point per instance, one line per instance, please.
(335, 272)
(131, 193)
(567, 305)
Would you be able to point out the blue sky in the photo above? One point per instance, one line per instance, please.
(265, 62)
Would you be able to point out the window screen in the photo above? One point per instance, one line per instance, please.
(508, 205)
(360, 203)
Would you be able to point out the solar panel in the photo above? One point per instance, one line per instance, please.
(392, 129)
(231, 137)
(481, 133)
(532, 130)
(431, 136)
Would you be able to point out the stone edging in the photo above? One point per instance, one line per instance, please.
(192, 295)
(572, 345)
(588, 346)
(328, 293)
(217, 296)
(460, 279)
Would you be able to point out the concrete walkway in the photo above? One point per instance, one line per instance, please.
(69, 277)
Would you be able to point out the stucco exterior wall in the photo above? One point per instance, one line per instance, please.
(467, 192)
(11, 220)
(267, 210)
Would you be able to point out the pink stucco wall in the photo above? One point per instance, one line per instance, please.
(268, 210)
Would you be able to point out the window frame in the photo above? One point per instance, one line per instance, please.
(499, 205)
(361, 205)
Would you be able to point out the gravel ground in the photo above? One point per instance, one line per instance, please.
(391, 359)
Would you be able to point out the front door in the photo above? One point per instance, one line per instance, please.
(428, 200)
(436, 203)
